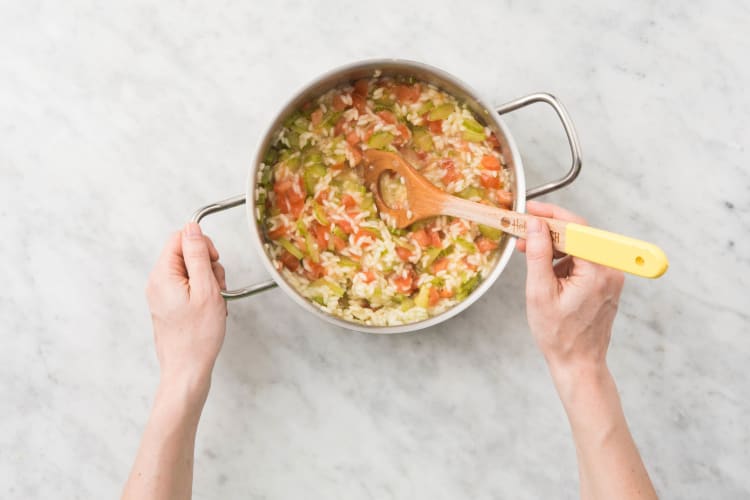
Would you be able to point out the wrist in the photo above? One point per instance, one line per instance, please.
(575, 381)
(184, 390)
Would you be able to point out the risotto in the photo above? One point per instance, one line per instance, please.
(321, 225)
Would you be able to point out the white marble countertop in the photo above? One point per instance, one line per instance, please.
(117, 120)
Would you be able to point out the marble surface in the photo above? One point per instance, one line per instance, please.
(118, 119)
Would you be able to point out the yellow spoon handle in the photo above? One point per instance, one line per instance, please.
(615, 250)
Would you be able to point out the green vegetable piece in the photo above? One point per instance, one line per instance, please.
(301, 125)
(330, 118)
(432, 254)
(490, 232)
(293, 138)
(472, 192)
(424, 108)
(466, 244)
(348, 263)
(311, 156)
(320, 214)
(312, 248)
(333, 287)
(473, 125)
(407, 303)
(270, 156)
(368, 203)
(266, 177)
(422, 139)
(467, 287)
(380, 140)
(423, 297)
(471, 136)
(441, 112)
(289, 247)
(318, 299)
(292, 118)
(337, 231)
(311, 175)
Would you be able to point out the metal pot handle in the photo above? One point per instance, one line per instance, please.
(570, 132)
(234, 201)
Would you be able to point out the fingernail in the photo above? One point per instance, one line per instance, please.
(193, 230)
(533, 226)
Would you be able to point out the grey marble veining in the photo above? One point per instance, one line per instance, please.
(118, 119)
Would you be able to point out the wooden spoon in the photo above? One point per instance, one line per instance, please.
(426, 200)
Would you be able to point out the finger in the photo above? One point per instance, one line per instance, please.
(553, 212)
(197, 259)
(541, 282)
(212, 252)
(170, 262)
(220, 275)
(521, 247)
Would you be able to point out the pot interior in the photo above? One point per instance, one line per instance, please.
(402, 69)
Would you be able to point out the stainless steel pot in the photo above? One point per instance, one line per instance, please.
(447, 82)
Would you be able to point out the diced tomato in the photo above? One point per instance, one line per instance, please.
(435, 239)
(345, 226)
(369, 276)
(422, 238)
(458, 227)
(451, 172)
(490, 162)
(469, 265)
(277, 233)
(321, 234)
(403, 284)
(446, 294)
(338, 243)
(435, 126)
(282, 200)
(360, 103)
(407, 93)
(440, 265)
(357, 154)
(404, 134)
(340, 126)
(338, 166)
(387, 117)
(493, 142)
(296, 209)
(352, 138)
(434, 296)
(348, 201)
(489, 181)
(338, 102)
(403, 253)
(290, 261)
(282, 186)
(361, 88)
(313, 271)
(504, 198)
(322, 194)
(363, 234)
(368, 133)
(485, 244)
(316, 117)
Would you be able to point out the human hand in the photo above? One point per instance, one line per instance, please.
(187, 310)
(570, 305)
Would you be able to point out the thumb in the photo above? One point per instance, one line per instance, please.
(541, 282)
(197, 258)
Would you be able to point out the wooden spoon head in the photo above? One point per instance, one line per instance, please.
(423, 199)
